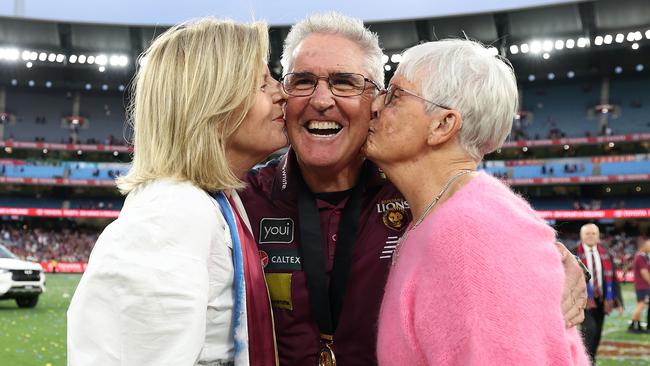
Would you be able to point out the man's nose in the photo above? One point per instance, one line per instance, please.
(322, 98)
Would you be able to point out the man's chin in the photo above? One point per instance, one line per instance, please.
(318, 162)
(326, 159)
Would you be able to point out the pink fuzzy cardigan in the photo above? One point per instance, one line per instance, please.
(478, 282)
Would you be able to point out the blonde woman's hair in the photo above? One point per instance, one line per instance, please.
(195, 85)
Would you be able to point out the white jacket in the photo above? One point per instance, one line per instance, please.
(158, 289)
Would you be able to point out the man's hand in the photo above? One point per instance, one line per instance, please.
(574, 294)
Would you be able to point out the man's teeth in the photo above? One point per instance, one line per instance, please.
(323, 127)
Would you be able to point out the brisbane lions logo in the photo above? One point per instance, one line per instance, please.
(394, 220)
(395, 213)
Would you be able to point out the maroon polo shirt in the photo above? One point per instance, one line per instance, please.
(640, 262)
(271, 203)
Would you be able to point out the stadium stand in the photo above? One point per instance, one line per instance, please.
(43, 115)
(632, 98)
(551, 116)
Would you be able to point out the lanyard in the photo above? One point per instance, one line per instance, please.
(326, 303)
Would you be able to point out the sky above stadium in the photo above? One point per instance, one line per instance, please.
(275, 12)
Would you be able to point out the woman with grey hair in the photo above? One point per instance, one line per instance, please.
(476, 278)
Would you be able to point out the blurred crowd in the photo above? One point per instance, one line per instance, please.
(623, 247)
(71, 244)
(521, 130)
(598, 204)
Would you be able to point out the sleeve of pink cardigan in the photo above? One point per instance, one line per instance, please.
(496, 301)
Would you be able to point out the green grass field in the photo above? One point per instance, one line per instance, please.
(36, 337)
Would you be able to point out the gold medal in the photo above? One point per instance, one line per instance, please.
(326, 355)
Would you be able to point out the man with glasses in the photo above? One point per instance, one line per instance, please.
(303, 84)
(325, 219)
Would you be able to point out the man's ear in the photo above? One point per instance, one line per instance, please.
(444, 127)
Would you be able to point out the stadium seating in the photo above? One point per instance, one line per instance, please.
(64, 169)
(562, 105)
(34, 171)
(568, 107)
(568, 167)
(39, 114)
(632, 98)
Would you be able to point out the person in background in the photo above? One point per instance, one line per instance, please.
(603, 290)
(176, 279)
(642, 286)
(476, 277)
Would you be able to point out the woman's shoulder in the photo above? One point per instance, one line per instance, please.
(488, 198)
(172, 202)
(167, 217)
(487, 205)
(171, 192)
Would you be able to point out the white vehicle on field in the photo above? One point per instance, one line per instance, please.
(20, 280)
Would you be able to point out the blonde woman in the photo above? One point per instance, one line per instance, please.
(176, 279)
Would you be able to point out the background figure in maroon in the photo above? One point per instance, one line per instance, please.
(642, 286)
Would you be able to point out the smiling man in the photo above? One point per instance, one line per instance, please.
(325, 202)
(325, 219)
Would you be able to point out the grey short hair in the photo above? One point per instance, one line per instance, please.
(338, 24)
(464, 75)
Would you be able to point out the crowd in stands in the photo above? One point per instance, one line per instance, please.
(598, 204)
(521, 125)
(110, 140)
(623, 248)
(70, 244)
(568, 169)
(501, 175)
(521, 130)
(111, 173)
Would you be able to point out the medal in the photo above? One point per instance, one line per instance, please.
(326, 355)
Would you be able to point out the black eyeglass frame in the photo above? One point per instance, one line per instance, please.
(329, 84)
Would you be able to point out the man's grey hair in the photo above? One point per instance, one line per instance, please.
(464, 75)
(338, 24)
